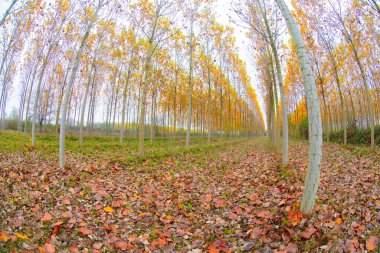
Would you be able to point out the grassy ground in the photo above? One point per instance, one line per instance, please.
(106, 147)
(229, 196)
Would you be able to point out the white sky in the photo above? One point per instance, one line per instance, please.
(222, 13)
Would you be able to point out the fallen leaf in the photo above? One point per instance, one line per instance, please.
(41, 249)
(46, 217)
(74, 249)
(97, 245)
(84, 231)
(233, 216)
(308, 233)
(371, 243)
(4, 237)
(295, 216)
(49, 248)
(338, 220)
(220, 203)
(121, 245)
(291, 248)
(254, 233)
(109, 209)
(66, 201)
(21, 236)
(263, 214)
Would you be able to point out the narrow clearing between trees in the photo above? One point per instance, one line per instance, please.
(226, 199)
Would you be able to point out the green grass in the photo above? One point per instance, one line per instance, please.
(108, 147)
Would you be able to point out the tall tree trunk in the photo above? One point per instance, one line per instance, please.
(327, 121)
(70, 83)
(148, 61)
(126, 88)
(209, 105)
(190, 88)
(285, 137)
(28, 103)
(314, 114)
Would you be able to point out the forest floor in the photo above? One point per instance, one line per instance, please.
(224, 197)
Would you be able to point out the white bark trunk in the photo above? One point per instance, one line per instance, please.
(190, 89)
(68, 88)
(314, 113)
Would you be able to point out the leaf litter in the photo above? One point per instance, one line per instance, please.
(234, 200)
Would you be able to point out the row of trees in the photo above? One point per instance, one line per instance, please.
(342, 41)
(145, 63)
(137, 63)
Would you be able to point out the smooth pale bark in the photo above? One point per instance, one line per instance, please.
(126, 88)
(221, 104)
(276, 122)
(209, 105)
(175, 104)
(91, 78)
(190, 89)
(152, 112)
(29, 96)
(285, 131)
(68, 88)
(143, 100)
(325, 112)
(148, 61)
(314, 114)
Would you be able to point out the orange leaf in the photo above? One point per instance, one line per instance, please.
(371, 243)
(295, 216)
(66, 201)
(46, 217)
(4, 237)
(41, 249)
(49, 248)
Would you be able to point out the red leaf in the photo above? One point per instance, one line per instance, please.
(254, 233)
(97, 245)
(263, 214)
(121, 245)
(74, 249)
(308, 233)
(291, 248)
(84, 231)
(295, 216)
(233, 216)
